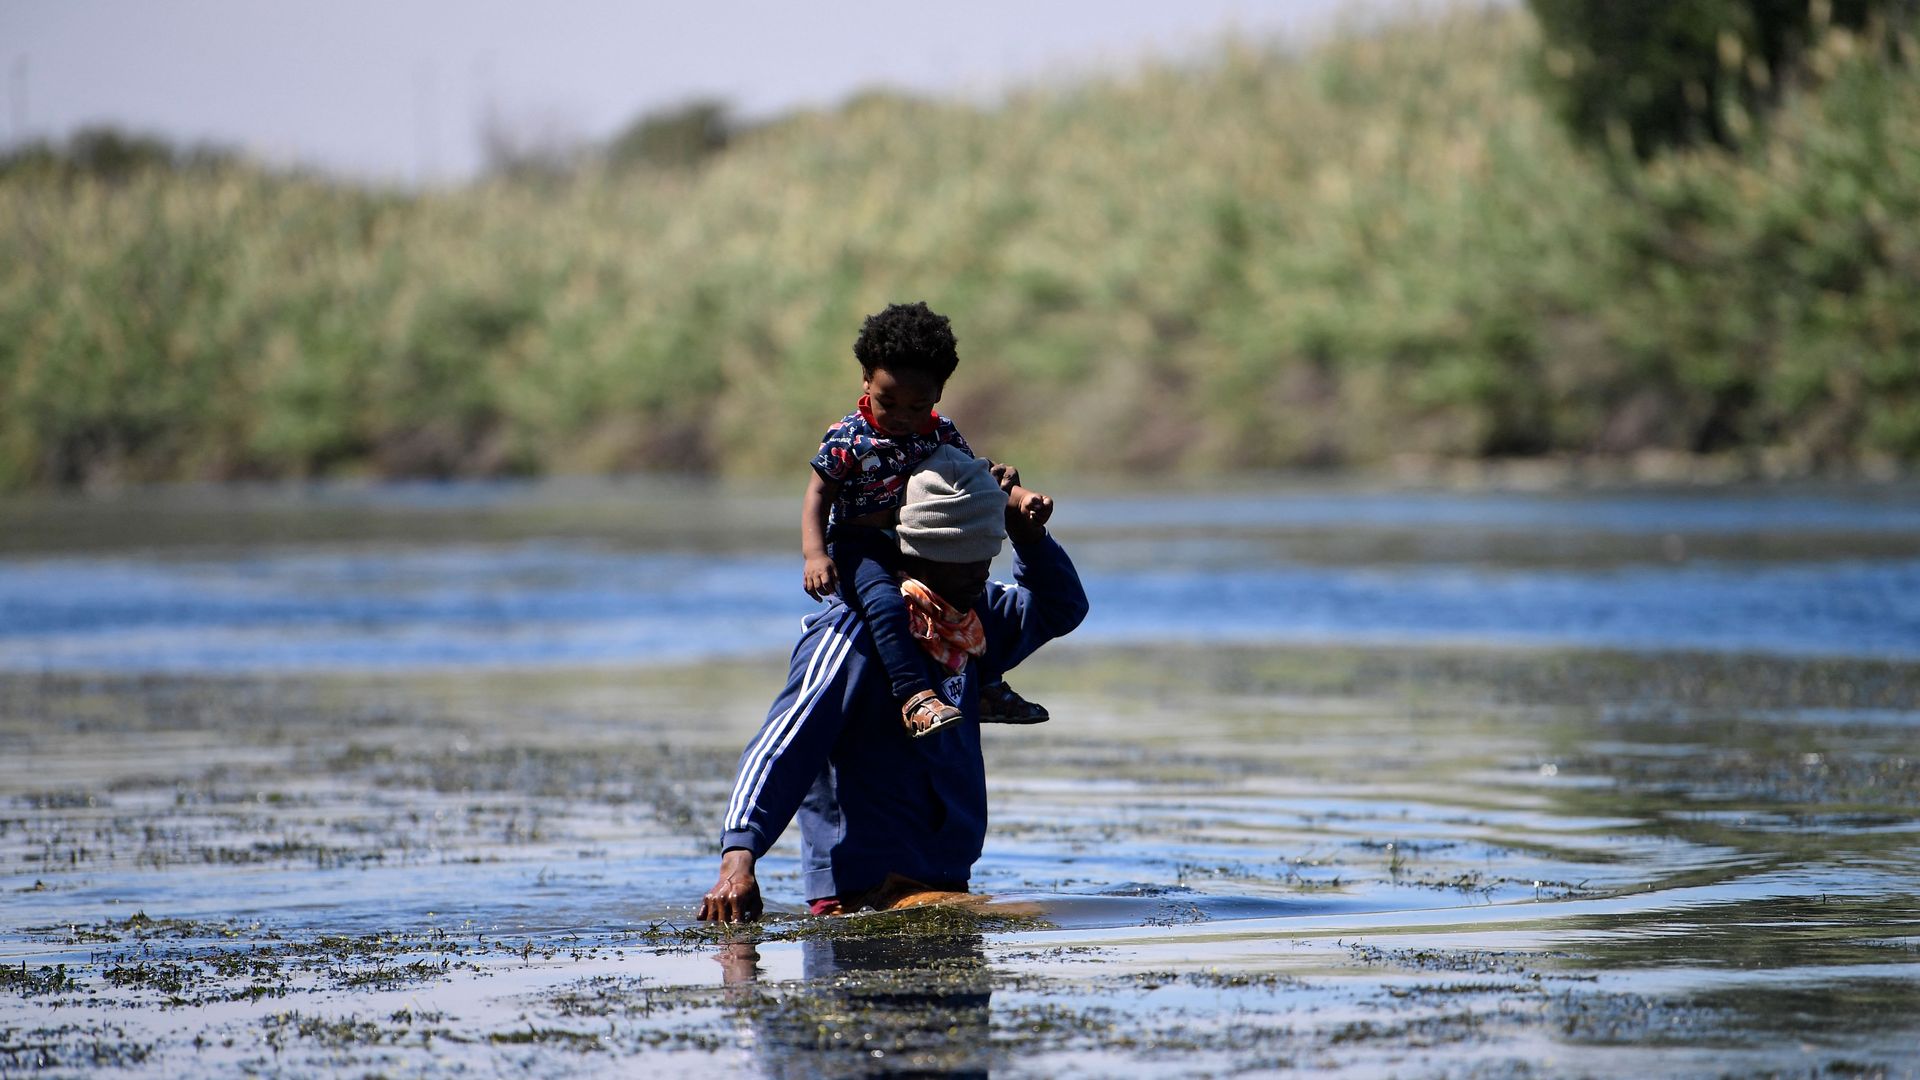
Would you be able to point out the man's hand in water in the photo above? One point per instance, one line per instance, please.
(736, 896)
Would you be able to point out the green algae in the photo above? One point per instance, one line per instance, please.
(913, 924)
(33, 982)
(72, 1046)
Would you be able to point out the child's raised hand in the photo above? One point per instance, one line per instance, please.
(1034, 506)
(821, 580)
(1029, 504)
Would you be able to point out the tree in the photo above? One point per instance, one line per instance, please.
(108, 153)
(673, 138)
(1639, 75)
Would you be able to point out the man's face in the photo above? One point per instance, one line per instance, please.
(959, 584)
(901, 401)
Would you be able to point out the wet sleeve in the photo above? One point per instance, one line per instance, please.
(836, 462)
(1045, 602)
(783, 758)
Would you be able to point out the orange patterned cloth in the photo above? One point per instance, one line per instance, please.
(948, 634)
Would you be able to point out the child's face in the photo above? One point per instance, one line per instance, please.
(901, 402)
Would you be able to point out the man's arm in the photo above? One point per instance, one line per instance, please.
(781, 761)
(1048, 603)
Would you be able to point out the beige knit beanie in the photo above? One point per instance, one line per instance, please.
(954, 511)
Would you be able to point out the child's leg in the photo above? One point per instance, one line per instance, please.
(868, 585)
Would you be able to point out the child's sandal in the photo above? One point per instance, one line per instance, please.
(999, 704)
(924, 713)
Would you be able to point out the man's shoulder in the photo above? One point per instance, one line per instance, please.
(838, 628)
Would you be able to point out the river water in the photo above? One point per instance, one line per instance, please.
(654, 576)
(423, 779)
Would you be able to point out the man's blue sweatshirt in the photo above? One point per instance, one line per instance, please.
(871, 799)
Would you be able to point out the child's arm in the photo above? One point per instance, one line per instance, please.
(1029, 504)
(819, 579)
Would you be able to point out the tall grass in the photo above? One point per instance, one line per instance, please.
(1382, 245)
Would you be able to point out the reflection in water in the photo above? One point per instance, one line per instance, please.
(1851, 961)
(917, 1006)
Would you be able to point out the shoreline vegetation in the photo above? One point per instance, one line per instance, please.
(1381, 252)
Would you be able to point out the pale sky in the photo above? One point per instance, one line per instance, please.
(395, 90)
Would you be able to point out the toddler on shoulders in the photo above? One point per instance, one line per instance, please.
(907, 353)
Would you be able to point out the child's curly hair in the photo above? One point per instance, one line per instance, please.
(908, 337)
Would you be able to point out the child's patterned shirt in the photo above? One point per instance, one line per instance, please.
(871, 466)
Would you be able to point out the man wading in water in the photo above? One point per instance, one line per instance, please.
(887, 820)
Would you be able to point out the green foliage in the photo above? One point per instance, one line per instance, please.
(105, 153)
(1645, 75)
(1782, 298)
(674, 138)
(1384, 246)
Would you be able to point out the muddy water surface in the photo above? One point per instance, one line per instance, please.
(1281, 843)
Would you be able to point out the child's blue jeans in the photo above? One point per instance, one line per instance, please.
(866, 558)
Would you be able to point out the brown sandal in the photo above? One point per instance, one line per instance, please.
(924, 713)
